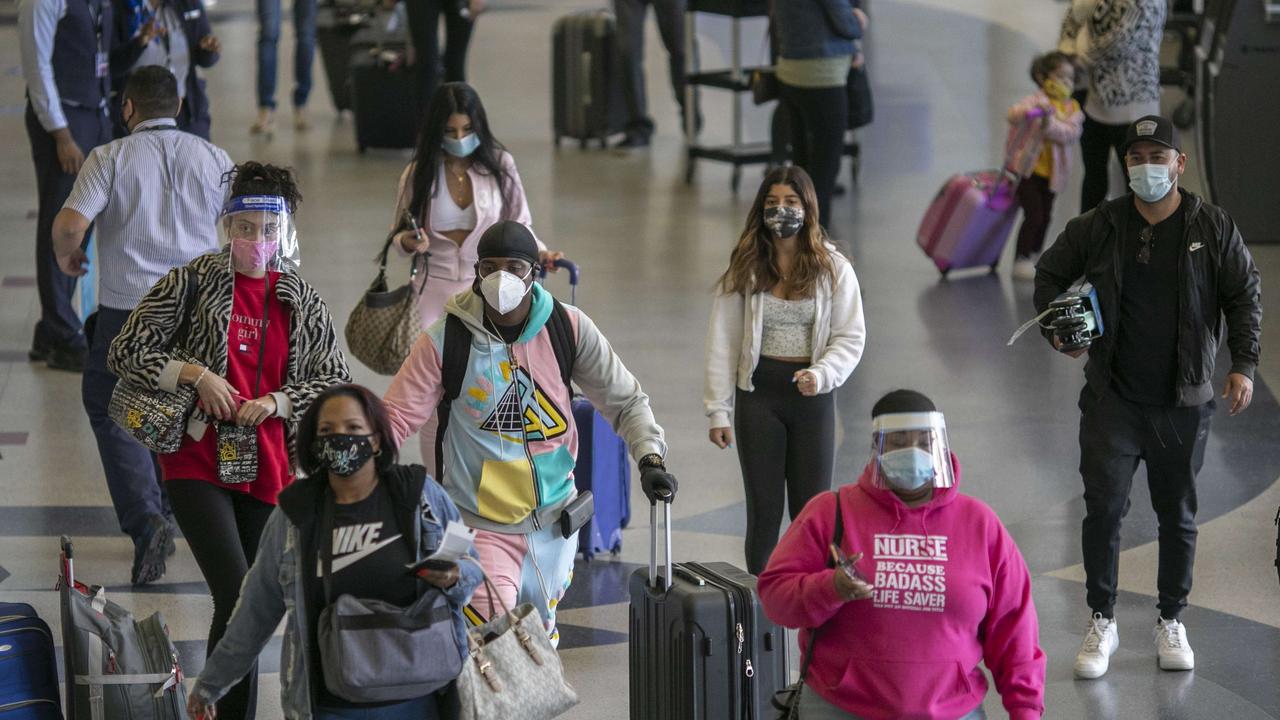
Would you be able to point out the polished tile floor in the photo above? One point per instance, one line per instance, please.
(650, 247)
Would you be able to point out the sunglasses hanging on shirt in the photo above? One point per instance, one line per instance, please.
(1144, 245)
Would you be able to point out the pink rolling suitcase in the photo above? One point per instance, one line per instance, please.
(971, 217)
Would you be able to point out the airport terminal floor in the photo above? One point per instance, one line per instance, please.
(650, 247)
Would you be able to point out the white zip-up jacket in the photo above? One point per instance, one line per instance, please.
(733, 342)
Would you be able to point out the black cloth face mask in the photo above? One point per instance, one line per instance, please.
(343, 455)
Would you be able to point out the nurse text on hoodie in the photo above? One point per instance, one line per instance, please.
(951, 590)
(511, 444)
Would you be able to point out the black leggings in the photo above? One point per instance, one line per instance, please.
(223, 528)
(786, 442)
(424, 30)
(819, 118)
(1097, 142)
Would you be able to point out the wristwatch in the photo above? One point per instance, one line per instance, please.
(652, 460)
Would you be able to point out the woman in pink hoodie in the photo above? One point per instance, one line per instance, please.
(923, 585)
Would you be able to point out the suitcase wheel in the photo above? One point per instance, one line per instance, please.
(736, 178)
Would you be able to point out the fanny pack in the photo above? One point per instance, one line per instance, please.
(577, 513)
(374, 651)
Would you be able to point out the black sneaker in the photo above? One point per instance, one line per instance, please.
(39, 351)
(632, 142)
(149, 551)
(68, 359)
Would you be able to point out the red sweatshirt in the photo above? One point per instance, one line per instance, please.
(951, 590)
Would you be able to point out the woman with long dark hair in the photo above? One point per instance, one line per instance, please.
(786, 330)
(260, 346)
(462, 181)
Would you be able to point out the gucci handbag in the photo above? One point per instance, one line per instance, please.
(511, 670)
(385, 323)
(157, 418)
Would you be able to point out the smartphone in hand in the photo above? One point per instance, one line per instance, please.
(843, 562)
(431, 564)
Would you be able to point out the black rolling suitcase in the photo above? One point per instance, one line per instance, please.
(382, 91)
(586, 88)
(335, 27)
(701, 647)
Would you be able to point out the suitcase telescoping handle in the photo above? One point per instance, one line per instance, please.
(68, 572)
(570, 267)
(1002, 194)
(653, 544)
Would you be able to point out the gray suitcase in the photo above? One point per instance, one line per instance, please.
(586, 88)
(116, 667)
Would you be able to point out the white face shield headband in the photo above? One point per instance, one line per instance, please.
(910, 451)
(260, 231)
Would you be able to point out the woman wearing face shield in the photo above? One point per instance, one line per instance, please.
(259, 348)
(900, 599)
(462, 181)
(787, 329)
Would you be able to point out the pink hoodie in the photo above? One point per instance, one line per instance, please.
(951, 590)
(1061, 133)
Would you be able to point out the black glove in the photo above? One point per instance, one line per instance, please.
(1068, 331)
(658, 484)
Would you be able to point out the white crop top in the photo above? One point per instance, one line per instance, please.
(787, 327)
(445, 213)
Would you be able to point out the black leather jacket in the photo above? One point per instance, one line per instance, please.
(1218, 281)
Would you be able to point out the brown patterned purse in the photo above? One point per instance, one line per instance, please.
(385, 323)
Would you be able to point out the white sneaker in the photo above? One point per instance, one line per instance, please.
(1024, 269)
(1101, 639)
(1172, 648)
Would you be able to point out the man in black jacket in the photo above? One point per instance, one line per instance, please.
(1168, 268)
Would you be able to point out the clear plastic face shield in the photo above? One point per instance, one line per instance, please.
(910, 451)
(260, 231)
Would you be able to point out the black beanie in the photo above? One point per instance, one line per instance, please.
(508, 239)
(902, 401)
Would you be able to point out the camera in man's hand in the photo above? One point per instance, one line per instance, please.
(1075, 319)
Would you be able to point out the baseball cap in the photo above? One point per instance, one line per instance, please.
(1151, 128)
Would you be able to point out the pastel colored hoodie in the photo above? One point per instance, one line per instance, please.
(511, 444)
(952, 590)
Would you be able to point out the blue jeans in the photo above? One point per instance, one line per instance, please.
(133, 477)
(304, 28)
(424, 708)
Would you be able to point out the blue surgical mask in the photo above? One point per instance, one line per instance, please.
(907, 469)
(1151, 182)
(461, 148)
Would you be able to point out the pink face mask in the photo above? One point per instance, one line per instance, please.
(250, 255)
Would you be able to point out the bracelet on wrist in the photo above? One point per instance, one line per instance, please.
(652, 460)
(203, 372)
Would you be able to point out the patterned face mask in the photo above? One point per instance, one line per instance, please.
(343, 455)
(784, 221)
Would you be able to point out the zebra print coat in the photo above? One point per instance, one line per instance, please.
(140, 353)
